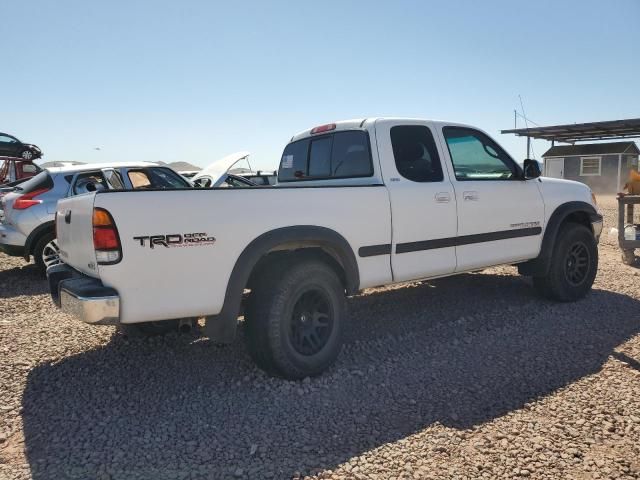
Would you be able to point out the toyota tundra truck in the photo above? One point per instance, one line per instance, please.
(358, 204)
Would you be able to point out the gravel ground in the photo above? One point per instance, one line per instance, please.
(466, 377)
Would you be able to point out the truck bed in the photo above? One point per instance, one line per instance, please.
(190, 279)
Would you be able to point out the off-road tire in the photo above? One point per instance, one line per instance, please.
(275, 316)
(575, 245)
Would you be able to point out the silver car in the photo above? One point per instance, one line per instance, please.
(27, 220)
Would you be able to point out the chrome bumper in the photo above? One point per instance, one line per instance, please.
(83, 297)
(596, 225)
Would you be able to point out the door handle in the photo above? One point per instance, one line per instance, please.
(470, 196)
(443, 197)
(67, 217)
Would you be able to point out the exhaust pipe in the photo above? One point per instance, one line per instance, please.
(185, 325)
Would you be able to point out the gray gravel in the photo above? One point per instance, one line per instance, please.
(466, 377)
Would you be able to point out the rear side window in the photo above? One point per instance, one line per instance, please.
(338, 155)
(113, 179)
(37, 182)
(415, 153)
(89, 182)
(139, 179)
(151, 178)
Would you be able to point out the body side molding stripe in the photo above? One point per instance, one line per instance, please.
(467, 239)
(385, 249)
(373, 250)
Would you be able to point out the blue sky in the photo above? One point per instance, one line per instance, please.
(196, 80)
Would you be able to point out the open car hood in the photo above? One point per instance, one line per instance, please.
(221, 167)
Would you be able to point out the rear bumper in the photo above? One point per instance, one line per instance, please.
(11, 241)
(83, 297)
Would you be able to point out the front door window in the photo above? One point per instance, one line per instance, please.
(476, 157)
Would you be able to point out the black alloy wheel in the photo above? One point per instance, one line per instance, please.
(311, 322)
(577, 263)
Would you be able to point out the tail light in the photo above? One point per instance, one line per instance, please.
(28, 199)
(106, 241)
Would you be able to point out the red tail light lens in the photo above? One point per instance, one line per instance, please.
(28, 199)
(106, 240)
(324, 128)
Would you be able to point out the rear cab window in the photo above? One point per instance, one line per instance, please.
(342, 154)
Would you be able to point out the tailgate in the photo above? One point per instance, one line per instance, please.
(74, 227)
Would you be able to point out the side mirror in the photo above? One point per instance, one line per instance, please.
(532, 169)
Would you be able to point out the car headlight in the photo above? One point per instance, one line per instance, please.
(594, 199)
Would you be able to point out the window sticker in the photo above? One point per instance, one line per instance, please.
(287, 161)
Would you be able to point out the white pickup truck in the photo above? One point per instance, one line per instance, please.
(358, 204)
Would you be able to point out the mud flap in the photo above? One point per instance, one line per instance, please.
(221, 328)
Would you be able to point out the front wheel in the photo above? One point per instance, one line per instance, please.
(295, 320)
(27, 155)
(574, 264)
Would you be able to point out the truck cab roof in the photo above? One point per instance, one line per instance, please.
(311, 158)
(363, 123)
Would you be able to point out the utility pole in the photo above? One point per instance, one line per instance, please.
(515, 119)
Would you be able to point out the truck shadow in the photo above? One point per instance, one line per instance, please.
(19, 281)
(459, 352)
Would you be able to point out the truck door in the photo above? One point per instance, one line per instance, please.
(500, 215)
(423, 205)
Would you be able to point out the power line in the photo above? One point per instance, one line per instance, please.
(527, 119)
(526, 123)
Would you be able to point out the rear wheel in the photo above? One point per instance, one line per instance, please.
(46, 252)
(574, 264)
(294, 320)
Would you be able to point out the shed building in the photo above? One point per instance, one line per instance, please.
(603, 166)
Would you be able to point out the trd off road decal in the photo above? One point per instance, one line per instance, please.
(175, 240)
